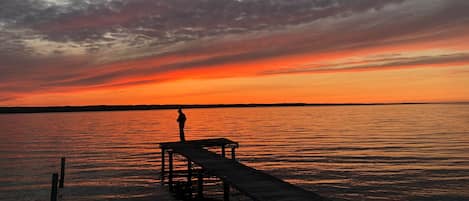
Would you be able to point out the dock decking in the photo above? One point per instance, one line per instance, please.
(255, 184)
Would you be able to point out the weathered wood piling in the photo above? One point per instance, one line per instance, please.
(56, 182)
(53, 191)
(62, 172)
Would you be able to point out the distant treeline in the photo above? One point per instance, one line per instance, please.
(158, 107)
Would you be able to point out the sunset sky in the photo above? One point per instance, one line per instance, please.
(88, 52)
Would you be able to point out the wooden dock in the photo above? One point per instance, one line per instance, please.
(255, 184)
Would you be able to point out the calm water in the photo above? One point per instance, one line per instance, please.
(406, 152)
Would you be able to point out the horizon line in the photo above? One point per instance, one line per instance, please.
(97, 108)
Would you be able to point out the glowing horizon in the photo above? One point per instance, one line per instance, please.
(117, 52)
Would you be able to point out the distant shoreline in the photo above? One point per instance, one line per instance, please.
(97, 108)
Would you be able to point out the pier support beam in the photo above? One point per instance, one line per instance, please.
(233, 153)
(189, 178)
(223, 153)
(162, 166)
(200, 185)
(226, 191)
(189, 171)
(170, 176)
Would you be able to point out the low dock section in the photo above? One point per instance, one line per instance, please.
(255, 184)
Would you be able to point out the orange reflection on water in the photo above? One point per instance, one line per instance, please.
(353, 152)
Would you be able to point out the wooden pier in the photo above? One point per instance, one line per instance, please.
(255, 184)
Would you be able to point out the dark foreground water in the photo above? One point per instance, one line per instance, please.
(402, 152)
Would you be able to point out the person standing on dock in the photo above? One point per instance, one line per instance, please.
(181, 120)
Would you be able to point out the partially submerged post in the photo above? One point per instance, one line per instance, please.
(53, 191)
(62, 172)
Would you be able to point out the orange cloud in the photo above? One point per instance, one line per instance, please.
(374, 43)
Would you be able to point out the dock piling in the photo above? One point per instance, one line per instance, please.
(162, 165)
(223, 151)
(233, 153)
(226, 191)
(189, 178)
(200, 185)
(53, 191)
(170, 176)
(62, 172)
(189, 171)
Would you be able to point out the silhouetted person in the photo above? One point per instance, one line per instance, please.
(181, 120)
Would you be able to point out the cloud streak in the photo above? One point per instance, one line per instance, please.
(380, 64)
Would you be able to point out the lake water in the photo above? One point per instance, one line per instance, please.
(395, 152)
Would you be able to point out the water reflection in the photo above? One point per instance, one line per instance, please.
(406, 152)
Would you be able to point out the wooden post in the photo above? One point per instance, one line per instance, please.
(189, 170)
(170, 176)
(223, 150)
(189, 178)
(200, 185)
(162, 165)
(233, 153)
(53, 191)
(226, 191)
(62, 172)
